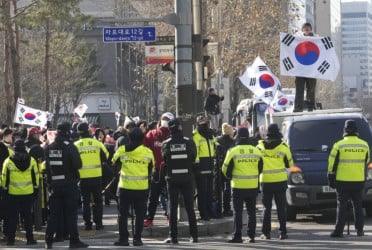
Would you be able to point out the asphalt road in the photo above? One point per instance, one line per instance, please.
(310, 231)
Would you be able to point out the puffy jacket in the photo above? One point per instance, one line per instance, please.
(153, 140)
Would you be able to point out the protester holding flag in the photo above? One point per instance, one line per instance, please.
(302, 82)
(308, 58)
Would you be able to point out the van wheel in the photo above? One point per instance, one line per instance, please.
(368, 207)
(291, 213)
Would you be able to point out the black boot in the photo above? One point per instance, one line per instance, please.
(78, 244)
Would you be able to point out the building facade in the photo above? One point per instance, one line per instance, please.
(357, 43)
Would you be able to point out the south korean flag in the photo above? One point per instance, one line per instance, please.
(308, 56)
(282, 102)
(260, 80)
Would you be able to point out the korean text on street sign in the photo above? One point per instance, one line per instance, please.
(129, 34)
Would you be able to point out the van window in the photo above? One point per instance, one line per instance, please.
(320, 135)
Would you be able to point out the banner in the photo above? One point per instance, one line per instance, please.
(260, 80)
(308, 56)
(159, 54)
(30, 116)
(281, 102)
(81, 109)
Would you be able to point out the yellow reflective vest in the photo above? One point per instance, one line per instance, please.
(90, 154)
(18, 182)
(245, 170)
(204, 147)
(353, 155)
(274, 166)
(134, 174)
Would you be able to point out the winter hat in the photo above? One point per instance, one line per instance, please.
(210, 89)
(167, 115)
(7, 131)
(201, 120)
(83, 128)
(227, 129)
(34, 131)
(136, 135)
(19, 146)
(63, 128)
(174, 123)
(350, 127)
(243, 134)
(273, 131)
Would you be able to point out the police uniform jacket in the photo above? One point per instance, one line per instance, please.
(62, 163)
(349, 158)
(179, 154)
(92, 153)
(205, 149)
(136, 163)
(242, 165)
(20, 174)
(277, 158)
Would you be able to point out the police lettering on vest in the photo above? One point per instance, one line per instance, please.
(90, 154)
(352, 155)
(242, 166)
(275, 162)
(134, 174)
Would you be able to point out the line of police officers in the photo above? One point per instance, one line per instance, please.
(245, 165)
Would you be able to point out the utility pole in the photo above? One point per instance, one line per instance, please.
(183, 59)
(197, 40)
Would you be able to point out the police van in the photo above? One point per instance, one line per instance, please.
(311, 136)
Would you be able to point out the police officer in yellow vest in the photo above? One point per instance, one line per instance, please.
(205, 143)
(276, 158)
(348, 160)
(20, 180)
(242, 165)
(92, 154)
(5, 152)
(136, 163)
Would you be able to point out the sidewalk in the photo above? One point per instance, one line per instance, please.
(160, 228)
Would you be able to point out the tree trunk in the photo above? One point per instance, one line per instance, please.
(46, 67)
(7, 88)
(16, 34)
(14, 61)
(57, 108)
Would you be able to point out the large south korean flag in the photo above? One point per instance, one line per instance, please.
(308, 56)
(260, 80)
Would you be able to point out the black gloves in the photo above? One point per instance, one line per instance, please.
(331, 180)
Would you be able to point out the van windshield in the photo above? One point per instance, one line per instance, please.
(320, 135)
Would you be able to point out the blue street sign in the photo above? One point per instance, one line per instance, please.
(129, 34)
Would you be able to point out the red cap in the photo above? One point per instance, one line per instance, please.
(34, 131)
